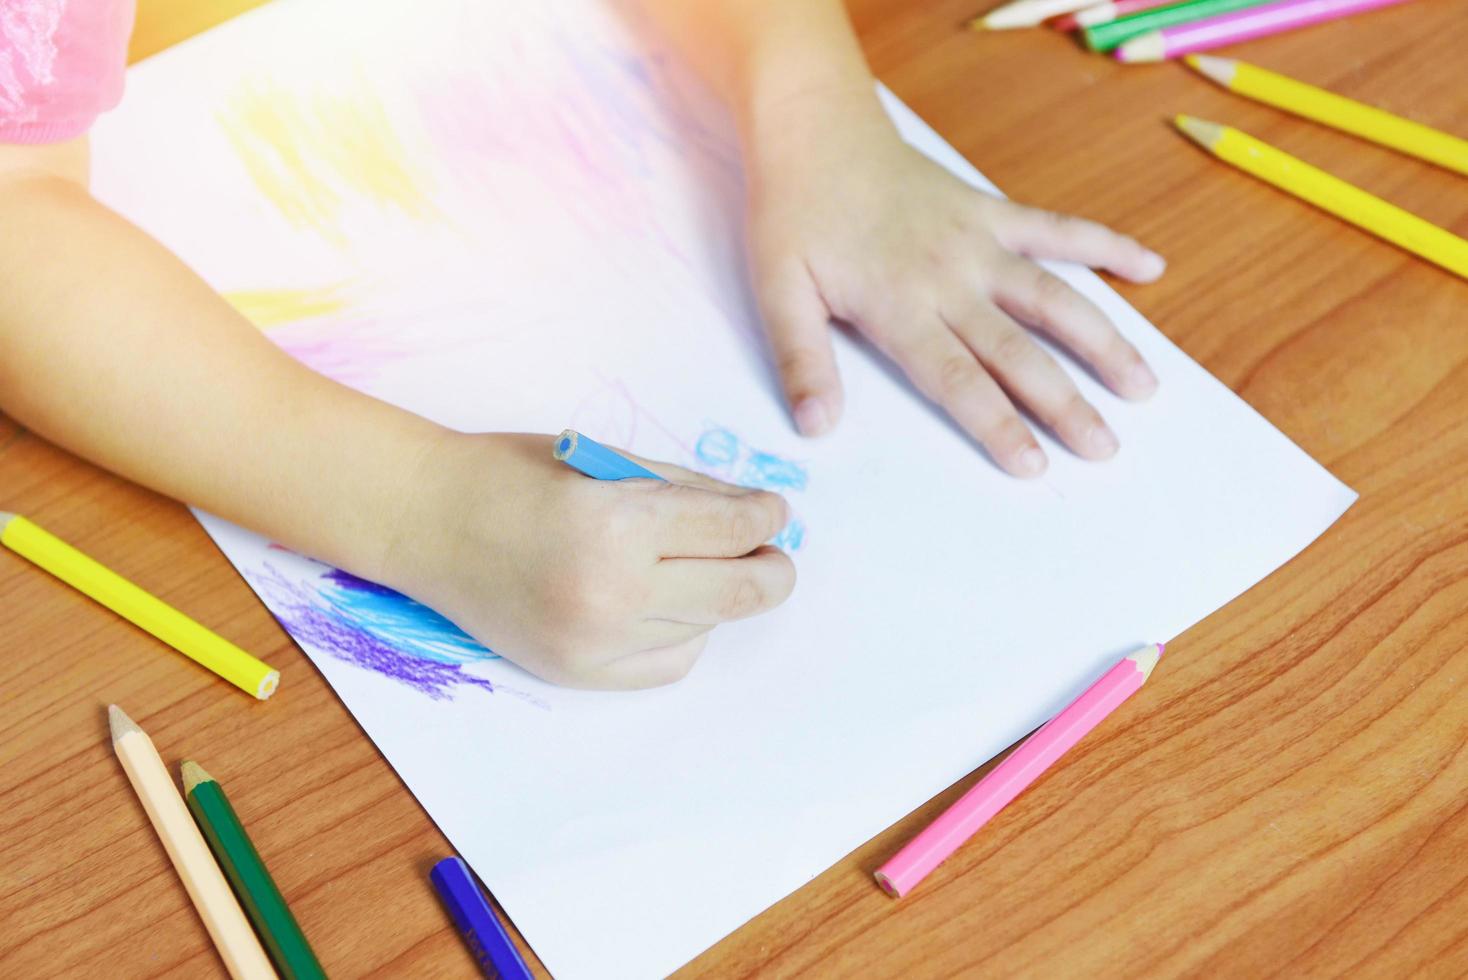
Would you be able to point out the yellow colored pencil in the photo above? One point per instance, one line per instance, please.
(138, 607)
(1336, 111)
(1330, 193)
(242, 953)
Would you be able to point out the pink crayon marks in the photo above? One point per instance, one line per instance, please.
(606, 135)
(352, 352)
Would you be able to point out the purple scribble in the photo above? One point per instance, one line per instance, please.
(296, 608)
(348, 580)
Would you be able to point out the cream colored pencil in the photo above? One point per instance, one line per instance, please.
(1027, 13)
(241, 951)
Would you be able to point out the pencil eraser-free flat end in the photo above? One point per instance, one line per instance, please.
(885, 883)
(565, 444)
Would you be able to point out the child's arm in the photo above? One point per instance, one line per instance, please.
(114, 349)
(848, 223)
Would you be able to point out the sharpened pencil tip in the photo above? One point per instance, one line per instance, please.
(5, 518)
(1220, 70)
(1145, 47)
(1146, 658)
(1007, 18)
(1206, 134)
(565, 444)
(120, 723)
(193, 775)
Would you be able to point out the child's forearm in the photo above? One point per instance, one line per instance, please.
(763, 55)
(112, 348)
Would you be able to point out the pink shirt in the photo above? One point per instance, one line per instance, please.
(61, 65)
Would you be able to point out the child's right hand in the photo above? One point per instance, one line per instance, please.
(585, 583)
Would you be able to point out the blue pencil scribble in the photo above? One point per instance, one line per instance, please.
(723, 454)
(717, 447)
(395, 618)
(372, 627)
(772, 473)
(791, 537)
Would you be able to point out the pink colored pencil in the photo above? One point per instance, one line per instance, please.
(1010, 778)
(1105, 13)
(1242, 25)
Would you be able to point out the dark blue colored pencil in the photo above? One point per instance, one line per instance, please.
(492, 949)
(597, 461)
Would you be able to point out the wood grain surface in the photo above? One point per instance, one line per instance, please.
(1288, 795)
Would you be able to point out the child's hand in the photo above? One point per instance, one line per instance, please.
(586, 583)
(849, 223)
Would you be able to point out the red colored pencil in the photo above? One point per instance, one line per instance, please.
(1104, 13)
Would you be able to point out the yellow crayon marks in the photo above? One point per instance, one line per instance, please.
(366, 153)
(268, 308)
(274, 140)
(312, 156)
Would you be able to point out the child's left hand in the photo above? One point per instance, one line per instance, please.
(849, 223)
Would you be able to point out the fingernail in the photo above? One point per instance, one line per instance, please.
(1153, 266)
(1031, 462)
(1102, 440)
(811, 417)
(1141, 378)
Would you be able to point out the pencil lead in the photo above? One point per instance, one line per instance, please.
(1146, 658)
(1200, 131)
(1147, 47)
(1007, 18)
(193, 775)
(1220, 70)
(120, 723)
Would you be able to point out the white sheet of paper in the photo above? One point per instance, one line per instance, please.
(525, 217)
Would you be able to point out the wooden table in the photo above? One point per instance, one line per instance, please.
(1289, 795)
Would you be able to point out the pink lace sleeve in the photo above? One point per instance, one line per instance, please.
(61, 65)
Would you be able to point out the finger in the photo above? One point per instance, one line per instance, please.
(658, 633)
(1048, 235)
(690, 478)
(1038, 297)
(1033, 377)
(947, 372)
(710, 591)
(695, 523)
(799, 327)
(646, 668)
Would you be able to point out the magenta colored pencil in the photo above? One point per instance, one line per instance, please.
(1023, 766)
(1242, 25)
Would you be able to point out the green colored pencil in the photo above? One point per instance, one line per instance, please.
(241, 863)
(1104, 37)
